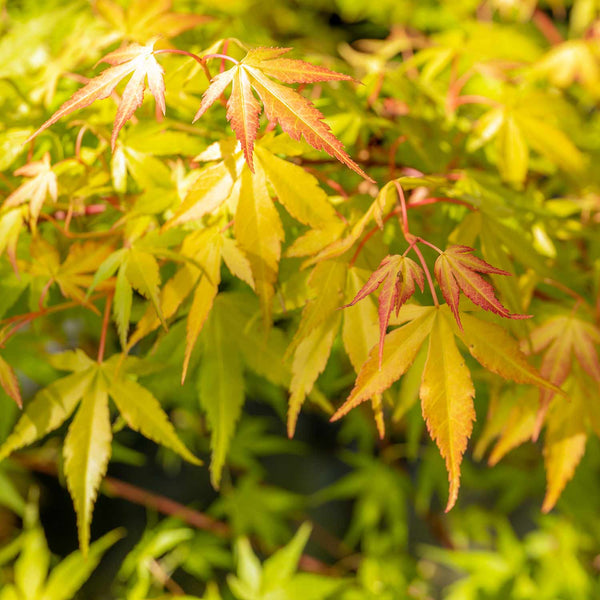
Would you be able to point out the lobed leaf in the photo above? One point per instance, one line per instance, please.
(259, 233)
(447, 400)
(297, 190)
(297, 116)
(86, 451)
(399, 276)
(135, 59)
(498, 352)
(399, 352)
(310, 359)
(457, 270)
(143, 413)
(49, 409)
(221, 389)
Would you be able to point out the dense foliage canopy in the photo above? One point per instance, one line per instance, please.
(371, 226)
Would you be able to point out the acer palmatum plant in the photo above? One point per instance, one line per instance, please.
(276, 229)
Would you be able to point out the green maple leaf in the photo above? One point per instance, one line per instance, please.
(137, 269)
(87, 446)
(277, 577)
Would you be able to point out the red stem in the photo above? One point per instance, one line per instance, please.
(199, 60)
(427, 273)
(405, 230)
(474, 99)
(435, 200)
(368, 236)
(546, 27)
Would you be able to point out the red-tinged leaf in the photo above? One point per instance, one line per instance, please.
(400, 350)
(97, 89)
(586, 338)
(556, 364)
(132, 99)
(156, 83)
(399, 276)
(386, 266)
(9, 382)
(447, 400)
(457, 270)
(243, 110)
(218, 85)
(41, 185)
(290, 70)
(498, 352)
(261, 53)
(121, 55)
(297, 116)
(135, 59)
(564, 338)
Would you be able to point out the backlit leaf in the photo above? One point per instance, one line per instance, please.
(297, 116)
(400, 350)
(87, 451)
(399, 276)
(204, 295)
(498, 352)
(564, 442)
(310, 359)
(143, 413)
(221, 389)
(48, 410)
(359, 331)
(135, 59)
(259, 233)
(297, 190)
(457, 270)
(42, 183)
(9, 382)
(447, 400)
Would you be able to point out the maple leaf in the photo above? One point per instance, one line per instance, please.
(74, 274)
(564, 441)
(42, 183)
(447, 400)
(87, 447)
(147, 18)
(457, 270)
(446, 389)
(221, 388)
(564, 339)
(137, 269)
(9, 382)
(133, 58)
(399, 276)
(297, 116)
(259, 233)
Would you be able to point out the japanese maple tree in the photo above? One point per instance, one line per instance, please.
(413, 227)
